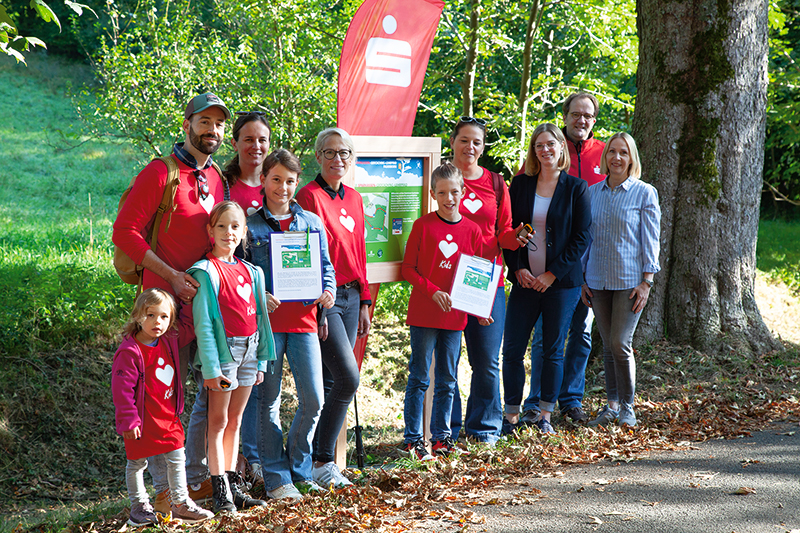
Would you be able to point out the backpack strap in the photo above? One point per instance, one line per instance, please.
(167, 200)
(499, 191)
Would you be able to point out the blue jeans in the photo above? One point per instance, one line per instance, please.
(525, 306)
(445, 344)
(197, 434)
(617, 322)
(484, 416)
(262, 436)
(579, 345)
(340, 373)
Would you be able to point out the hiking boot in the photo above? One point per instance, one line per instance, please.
(545, 426)
(190, 512)
(221, 496)
(419, 451)
(200, 493)
(626, 415)
(329, 475)
(142, 515)
(446, 447)
(576, 414)
(163, 503)
(285, 492)
(241, 499)
(529, 417)
(605, 417)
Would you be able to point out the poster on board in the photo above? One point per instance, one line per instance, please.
(392, 189)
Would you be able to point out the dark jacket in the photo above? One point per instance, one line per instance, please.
(568, 222)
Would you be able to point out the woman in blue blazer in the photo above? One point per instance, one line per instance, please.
(546, 275)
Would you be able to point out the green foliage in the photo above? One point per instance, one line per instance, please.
(782, 150)
(393, 300)
(777, 252)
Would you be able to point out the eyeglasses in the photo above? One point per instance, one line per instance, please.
(539, 147)
(344, 155)
(575, 116)
(468, 120)
(245, 113)
(202, 185)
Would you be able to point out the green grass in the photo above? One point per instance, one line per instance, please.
(778, 251)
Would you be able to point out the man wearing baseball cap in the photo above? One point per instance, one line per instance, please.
(182, 236)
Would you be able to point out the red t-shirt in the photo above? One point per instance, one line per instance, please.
(480, 206)
(237, 302)
(343, 219)
(186, 240)
(429, 264)
(162, 431)
(293, 317)
(250, 198)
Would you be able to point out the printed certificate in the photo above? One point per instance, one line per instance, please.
(296, 264)
(475, 285)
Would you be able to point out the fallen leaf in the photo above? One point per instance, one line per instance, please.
(705, 475)
(744, 491)
(601, 481)
(595, 520)
(612, 513)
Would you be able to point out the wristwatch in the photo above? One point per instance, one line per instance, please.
(648, 281)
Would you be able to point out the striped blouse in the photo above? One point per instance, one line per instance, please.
(626, 224)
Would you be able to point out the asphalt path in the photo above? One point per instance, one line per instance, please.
(692, 490)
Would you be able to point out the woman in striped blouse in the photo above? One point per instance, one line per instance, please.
(619, 268)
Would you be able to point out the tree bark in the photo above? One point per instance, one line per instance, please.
(534, 18)
(468, 81)
(700, 124)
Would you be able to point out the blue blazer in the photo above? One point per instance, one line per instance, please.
(568, 220)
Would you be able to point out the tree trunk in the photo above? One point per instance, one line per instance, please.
(700, 125)
(468, 82)
(534, 18)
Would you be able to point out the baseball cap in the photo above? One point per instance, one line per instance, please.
(204, 101)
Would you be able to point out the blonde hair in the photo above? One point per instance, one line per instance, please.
(222, 208)
(532, 166)
(635, 168)
(147, 299)
(446, 171)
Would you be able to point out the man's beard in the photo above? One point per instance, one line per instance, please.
(205, 144)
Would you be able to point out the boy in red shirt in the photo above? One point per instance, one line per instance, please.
(429, 264)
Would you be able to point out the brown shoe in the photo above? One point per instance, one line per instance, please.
(163, 504)
(201, 493)
(190, 512)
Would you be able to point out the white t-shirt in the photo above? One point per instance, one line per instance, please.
(538, 258)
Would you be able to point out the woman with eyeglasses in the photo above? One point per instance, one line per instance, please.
(485, 202)
(250, 139)
(342, 212)
(546, 275)
(620, 265)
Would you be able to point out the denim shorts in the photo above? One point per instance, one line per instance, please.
(243, 369)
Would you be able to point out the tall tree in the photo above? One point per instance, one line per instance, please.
(699, 122)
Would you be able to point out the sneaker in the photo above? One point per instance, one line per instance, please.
(190, 512)
(285, 492)
(626, 416)
(446, 447)
(221, 496)
(576, 414)
(605, 417)
(329, 475)
(241, 499)
(163, 503)
(309, 486)
(508, 428)
(545, 426)
(529, 417)
(418, 450)
(201, 493)
(142, 515)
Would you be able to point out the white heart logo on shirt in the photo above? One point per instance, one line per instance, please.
(347, 221)
(448, 248)
(253, 209)
(473, 204)
(165, 375)
(597, 170)
(244, 290)
(209, 203)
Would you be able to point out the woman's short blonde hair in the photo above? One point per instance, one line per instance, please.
(319, 144)
(532, 166)
(635, 168)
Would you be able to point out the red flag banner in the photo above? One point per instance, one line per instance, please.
(384, 58)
